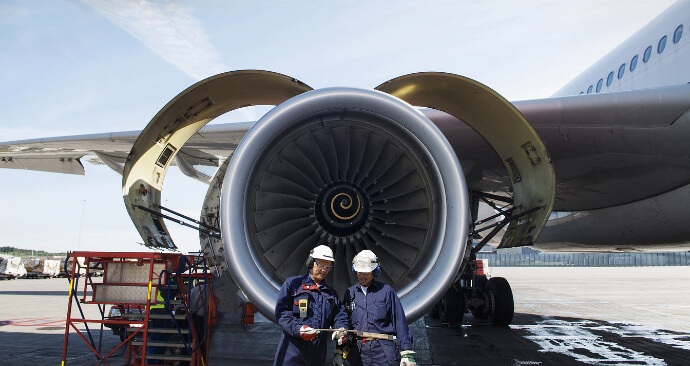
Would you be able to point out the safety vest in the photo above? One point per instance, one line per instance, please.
(160, 303)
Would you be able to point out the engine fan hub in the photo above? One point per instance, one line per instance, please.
(342, 208)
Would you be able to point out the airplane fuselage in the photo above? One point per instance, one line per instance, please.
(656, 56)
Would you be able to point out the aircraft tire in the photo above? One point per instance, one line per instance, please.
(500, 298)
(451, 308)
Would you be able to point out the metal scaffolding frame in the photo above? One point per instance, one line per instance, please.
(131, 282)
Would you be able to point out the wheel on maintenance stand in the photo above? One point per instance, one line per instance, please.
(451, 308)
(500, 301)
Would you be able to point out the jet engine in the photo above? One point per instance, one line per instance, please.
(350, 168)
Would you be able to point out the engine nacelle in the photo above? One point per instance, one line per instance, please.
(352, 169)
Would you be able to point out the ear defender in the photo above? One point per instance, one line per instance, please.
(310, 260)
(377, 271)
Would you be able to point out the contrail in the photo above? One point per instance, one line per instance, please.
(168, 29)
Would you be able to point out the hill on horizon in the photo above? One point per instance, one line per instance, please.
(17, 252)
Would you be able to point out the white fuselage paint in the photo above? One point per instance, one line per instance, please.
(667, 68)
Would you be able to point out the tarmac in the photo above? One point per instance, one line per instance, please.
(566, 316)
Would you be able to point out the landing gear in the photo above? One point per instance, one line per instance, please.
(499, 298)
(478, 292)
(485, 298)
(451, 308)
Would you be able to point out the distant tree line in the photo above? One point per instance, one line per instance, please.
(27, 252)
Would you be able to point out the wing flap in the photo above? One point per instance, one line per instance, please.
(62, 164)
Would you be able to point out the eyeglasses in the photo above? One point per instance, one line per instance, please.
(321, 266)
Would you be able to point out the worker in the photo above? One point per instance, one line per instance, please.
(202, 306)
(305, 304)
(374, 307)
(161, 314)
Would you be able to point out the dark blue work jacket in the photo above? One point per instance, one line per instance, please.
(323, 311)
(379, 311)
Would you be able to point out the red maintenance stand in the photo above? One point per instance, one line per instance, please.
(149, 294)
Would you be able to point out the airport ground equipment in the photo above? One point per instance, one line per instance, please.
(11, 267)
(66, 264)
(132, 284)
(41, 268)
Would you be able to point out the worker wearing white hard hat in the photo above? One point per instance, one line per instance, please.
(306, 303)
(374, 307)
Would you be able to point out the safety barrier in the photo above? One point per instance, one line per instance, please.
(586, 259)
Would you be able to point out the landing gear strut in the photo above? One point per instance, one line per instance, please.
(472, 291)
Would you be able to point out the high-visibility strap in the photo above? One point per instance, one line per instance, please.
(160, 303)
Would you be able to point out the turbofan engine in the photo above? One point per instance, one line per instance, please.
(350, 168)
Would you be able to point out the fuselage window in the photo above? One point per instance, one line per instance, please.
(647, 54)
(678, 34)
(621, 71)
(609, 79)
(662, 45)
(600, 83)
(633, 63)
(589, 90)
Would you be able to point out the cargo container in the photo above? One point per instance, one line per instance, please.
(41, 268)
(11, 267)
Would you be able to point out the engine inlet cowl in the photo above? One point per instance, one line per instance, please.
(352, 169)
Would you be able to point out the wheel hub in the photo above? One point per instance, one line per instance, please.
(342, 208)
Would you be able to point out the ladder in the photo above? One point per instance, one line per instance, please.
(150, 294)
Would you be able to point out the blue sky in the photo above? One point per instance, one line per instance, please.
(77, 67)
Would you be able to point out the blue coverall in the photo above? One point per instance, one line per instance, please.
(379, 311)
(324, 310)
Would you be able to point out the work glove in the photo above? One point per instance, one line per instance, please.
(340, 335)
(407, 358)
(338, 358)
(308, 333)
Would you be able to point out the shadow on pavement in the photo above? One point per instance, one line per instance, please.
(531, 340)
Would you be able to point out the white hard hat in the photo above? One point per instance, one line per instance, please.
(365, 261)
(322, 252)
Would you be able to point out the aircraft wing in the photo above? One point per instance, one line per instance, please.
(65, 154)
(607, 149)
(614, 148)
